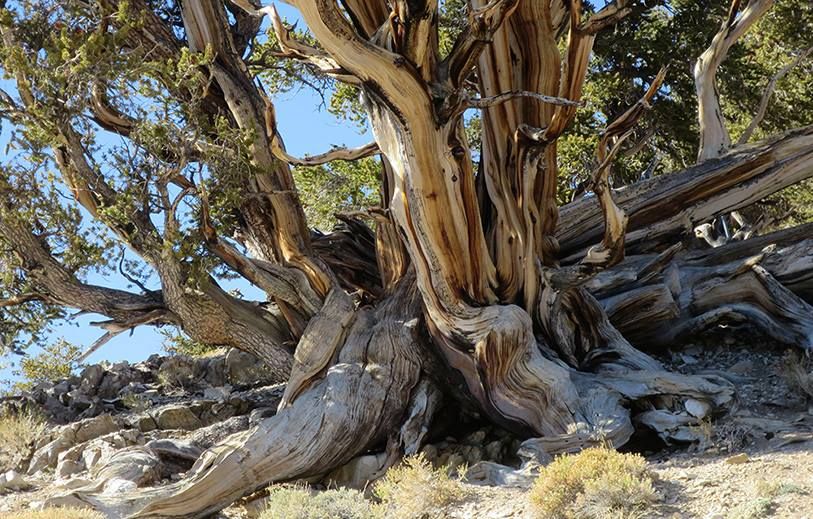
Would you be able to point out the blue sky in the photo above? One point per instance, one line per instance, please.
(305, 129)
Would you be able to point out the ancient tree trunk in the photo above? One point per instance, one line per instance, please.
(476, 279)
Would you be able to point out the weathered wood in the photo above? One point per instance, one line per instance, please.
(664, 208)
(761, 283)
(362, 396)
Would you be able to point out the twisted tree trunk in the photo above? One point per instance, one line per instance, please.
(475, 285)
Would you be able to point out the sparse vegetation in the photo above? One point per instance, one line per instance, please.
(798, 373)
(597, 483)
(54, 513)
(18, 434)
(764, 501)
(296, 502)
(56, 361)
(176, 343)
(416, 490)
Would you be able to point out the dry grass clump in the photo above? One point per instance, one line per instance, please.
(296, 502)
(412, 490)
(798, 373)
(416, 490)
(19, 431)
(54, 513)
(597, 483)
(763, 502)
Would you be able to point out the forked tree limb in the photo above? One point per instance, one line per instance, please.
(714, 136)
(484, 21)
(766, 96)
(295, 49)
(611, 249)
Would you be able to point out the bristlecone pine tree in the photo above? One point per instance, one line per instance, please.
(145, 126)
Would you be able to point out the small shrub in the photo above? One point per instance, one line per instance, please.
(597, 483)
(55, 362)
(798, 373)
(176, 343)
(415, 490)
(291, 502)
(18, 433)
(54, 513)
(763, 503)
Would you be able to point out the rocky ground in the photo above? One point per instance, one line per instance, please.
(122, 426)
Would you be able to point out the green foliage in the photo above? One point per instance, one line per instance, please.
(292, 502)
(177, 343)
(675, 33)
(335, 188)
(56, 361)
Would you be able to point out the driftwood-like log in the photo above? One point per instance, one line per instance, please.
(764, 283)
(662, 209)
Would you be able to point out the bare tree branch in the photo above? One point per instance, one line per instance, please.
(766, 95)
(349, 154)
(21, 299)
(607, 16)
(714, 136)
(485, 102)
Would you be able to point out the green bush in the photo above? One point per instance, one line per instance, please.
(416, 490)
(55, 362)
(597, 483)
(293, 502)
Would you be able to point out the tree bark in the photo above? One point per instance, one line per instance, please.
(478, 278)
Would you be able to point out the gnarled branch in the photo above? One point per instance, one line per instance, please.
(361, 152)
(714, 136)
(766, 95)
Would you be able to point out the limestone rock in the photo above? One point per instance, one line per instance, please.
(738, 459)
(179, 371)
(67, 437)
(494, 474)
(358, 472)
(697, 408)
(91, 377)
(177, 416)
(137, 464)
(13, 480)
(243, 369)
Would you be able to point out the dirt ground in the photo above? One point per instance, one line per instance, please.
(754, 462)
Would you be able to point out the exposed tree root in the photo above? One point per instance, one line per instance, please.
(699, 291)
(361, 399)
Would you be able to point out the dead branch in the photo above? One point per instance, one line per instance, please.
(348, 154)
(766, 96)
(714, 136)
